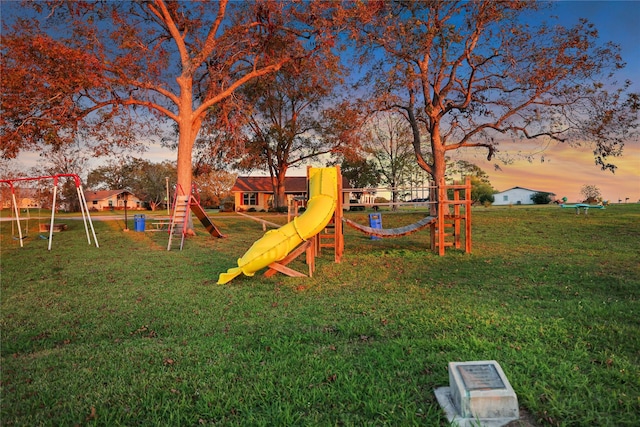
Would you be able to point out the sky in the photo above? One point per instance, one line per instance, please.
(565, 169)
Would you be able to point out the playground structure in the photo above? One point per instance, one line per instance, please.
(274, 247)
(84, 210)
(320, 226)
(182, 204)
(448, 217)
(584, 206)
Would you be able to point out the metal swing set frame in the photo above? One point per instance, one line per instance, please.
(84, 209)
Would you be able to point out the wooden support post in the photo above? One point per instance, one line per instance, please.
(337, 220)
(310, 254)
(442, 207)
(467, 215)
(281, 266)
(456, 218)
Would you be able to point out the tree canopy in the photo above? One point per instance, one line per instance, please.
(143, 178)
(98, 70)
(476, 73)
(286, 117)
(462, 74)
(591, 193)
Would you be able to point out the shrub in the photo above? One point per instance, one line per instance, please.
(541, 198)
(486, 199)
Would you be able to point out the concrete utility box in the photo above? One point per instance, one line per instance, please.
(478, 393)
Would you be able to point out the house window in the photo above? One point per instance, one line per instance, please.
(505, 198)
(110, 203)
(250, 199)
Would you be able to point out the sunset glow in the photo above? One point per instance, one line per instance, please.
(565, 170)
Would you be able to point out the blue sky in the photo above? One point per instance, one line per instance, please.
(617, 21)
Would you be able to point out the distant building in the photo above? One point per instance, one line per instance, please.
(257, 191)
(112, 200)
(518, 196)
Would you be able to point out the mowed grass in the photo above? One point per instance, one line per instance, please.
(130, 334)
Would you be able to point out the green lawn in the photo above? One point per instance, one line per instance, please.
(130, 334)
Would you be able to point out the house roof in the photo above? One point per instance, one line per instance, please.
(102, 194)
(526, 189)
(265, 184)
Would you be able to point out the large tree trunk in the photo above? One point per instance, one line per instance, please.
(280, 190)
(187, 131)
(186, 135)
(438, 169)
(184, 169)
(439, 166)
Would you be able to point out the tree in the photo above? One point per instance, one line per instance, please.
(111, 176)
(285, 121)
(481, 192)
(360, 173)
(105, 68)
(541, 198)
(68, 159)
(389, 144)
(591, 193)
(481, 189)
(464, 168)
(150, 181)
(214, 185)
(470, 74)
(145, 179)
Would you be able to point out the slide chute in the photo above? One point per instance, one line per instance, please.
(275, 245)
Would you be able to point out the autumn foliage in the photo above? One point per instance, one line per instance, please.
(463, 74)
(103, 71)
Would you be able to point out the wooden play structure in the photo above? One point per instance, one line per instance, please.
(183, 204)
(52, 226)
(330, 238)
(446, 231)
(452, 217)
(445, 226)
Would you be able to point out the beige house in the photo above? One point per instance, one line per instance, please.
(257, 191)
(112, 200)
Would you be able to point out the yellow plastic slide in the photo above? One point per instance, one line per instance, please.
(276, 244)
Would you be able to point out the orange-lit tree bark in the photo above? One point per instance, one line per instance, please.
(474, 74)
(97, 70)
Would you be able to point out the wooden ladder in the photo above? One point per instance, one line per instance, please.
(179, 219)
(449, 231)
(331, 237)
